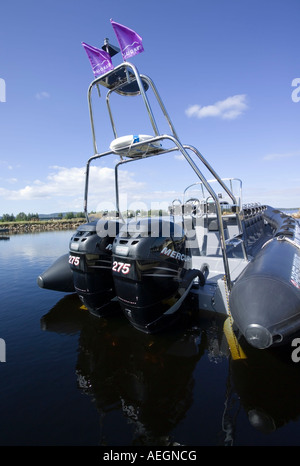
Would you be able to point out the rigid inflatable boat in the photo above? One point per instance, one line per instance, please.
(239, 260)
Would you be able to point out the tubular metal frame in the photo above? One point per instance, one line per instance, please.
(177, 146)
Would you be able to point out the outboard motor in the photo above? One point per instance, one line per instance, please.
(151, 272)
(90, 261)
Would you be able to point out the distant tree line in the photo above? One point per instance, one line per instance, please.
(21, 217)
(35, 217)
(70, 215)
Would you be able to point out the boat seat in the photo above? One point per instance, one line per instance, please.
(213, 225)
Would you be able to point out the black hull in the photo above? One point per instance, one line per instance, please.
(58, 277)
(265, 300)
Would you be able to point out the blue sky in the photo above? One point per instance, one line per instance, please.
(228, 72)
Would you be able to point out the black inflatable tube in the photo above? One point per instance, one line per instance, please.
(58, 277)
(266, 298)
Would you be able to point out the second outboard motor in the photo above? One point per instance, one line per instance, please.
(90, 260)
(151, 271)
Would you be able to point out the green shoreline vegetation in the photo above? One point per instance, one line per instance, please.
(22, 217)
(33, 222)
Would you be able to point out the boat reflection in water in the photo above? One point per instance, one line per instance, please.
(268, 387)
(151, 378)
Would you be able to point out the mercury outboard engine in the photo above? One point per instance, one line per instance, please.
(90, 260)
(151, 272)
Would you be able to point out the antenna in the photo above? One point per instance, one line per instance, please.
(111, 49)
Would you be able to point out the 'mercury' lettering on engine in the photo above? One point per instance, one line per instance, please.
(174, 254)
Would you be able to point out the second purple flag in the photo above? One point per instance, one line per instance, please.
(99, 59)
(130, 42)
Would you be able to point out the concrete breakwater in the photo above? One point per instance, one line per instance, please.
(31, 227)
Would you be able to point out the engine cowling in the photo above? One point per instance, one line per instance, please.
(90, 256)
(150, 267)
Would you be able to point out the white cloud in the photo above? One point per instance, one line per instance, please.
(67, 184)
(42, 95)
(283, 155)
(179, 157)
(227, 109)
(5, 164)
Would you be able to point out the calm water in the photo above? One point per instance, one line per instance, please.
(72, 379)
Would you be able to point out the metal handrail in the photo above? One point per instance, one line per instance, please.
(215, 180)
(183, 150)
(173, 138)
(137, 78)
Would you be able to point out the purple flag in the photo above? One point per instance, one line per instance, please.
(130, 42)
(100, 60)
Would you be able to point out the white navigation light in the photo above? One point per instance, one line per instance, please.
(258, 336)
